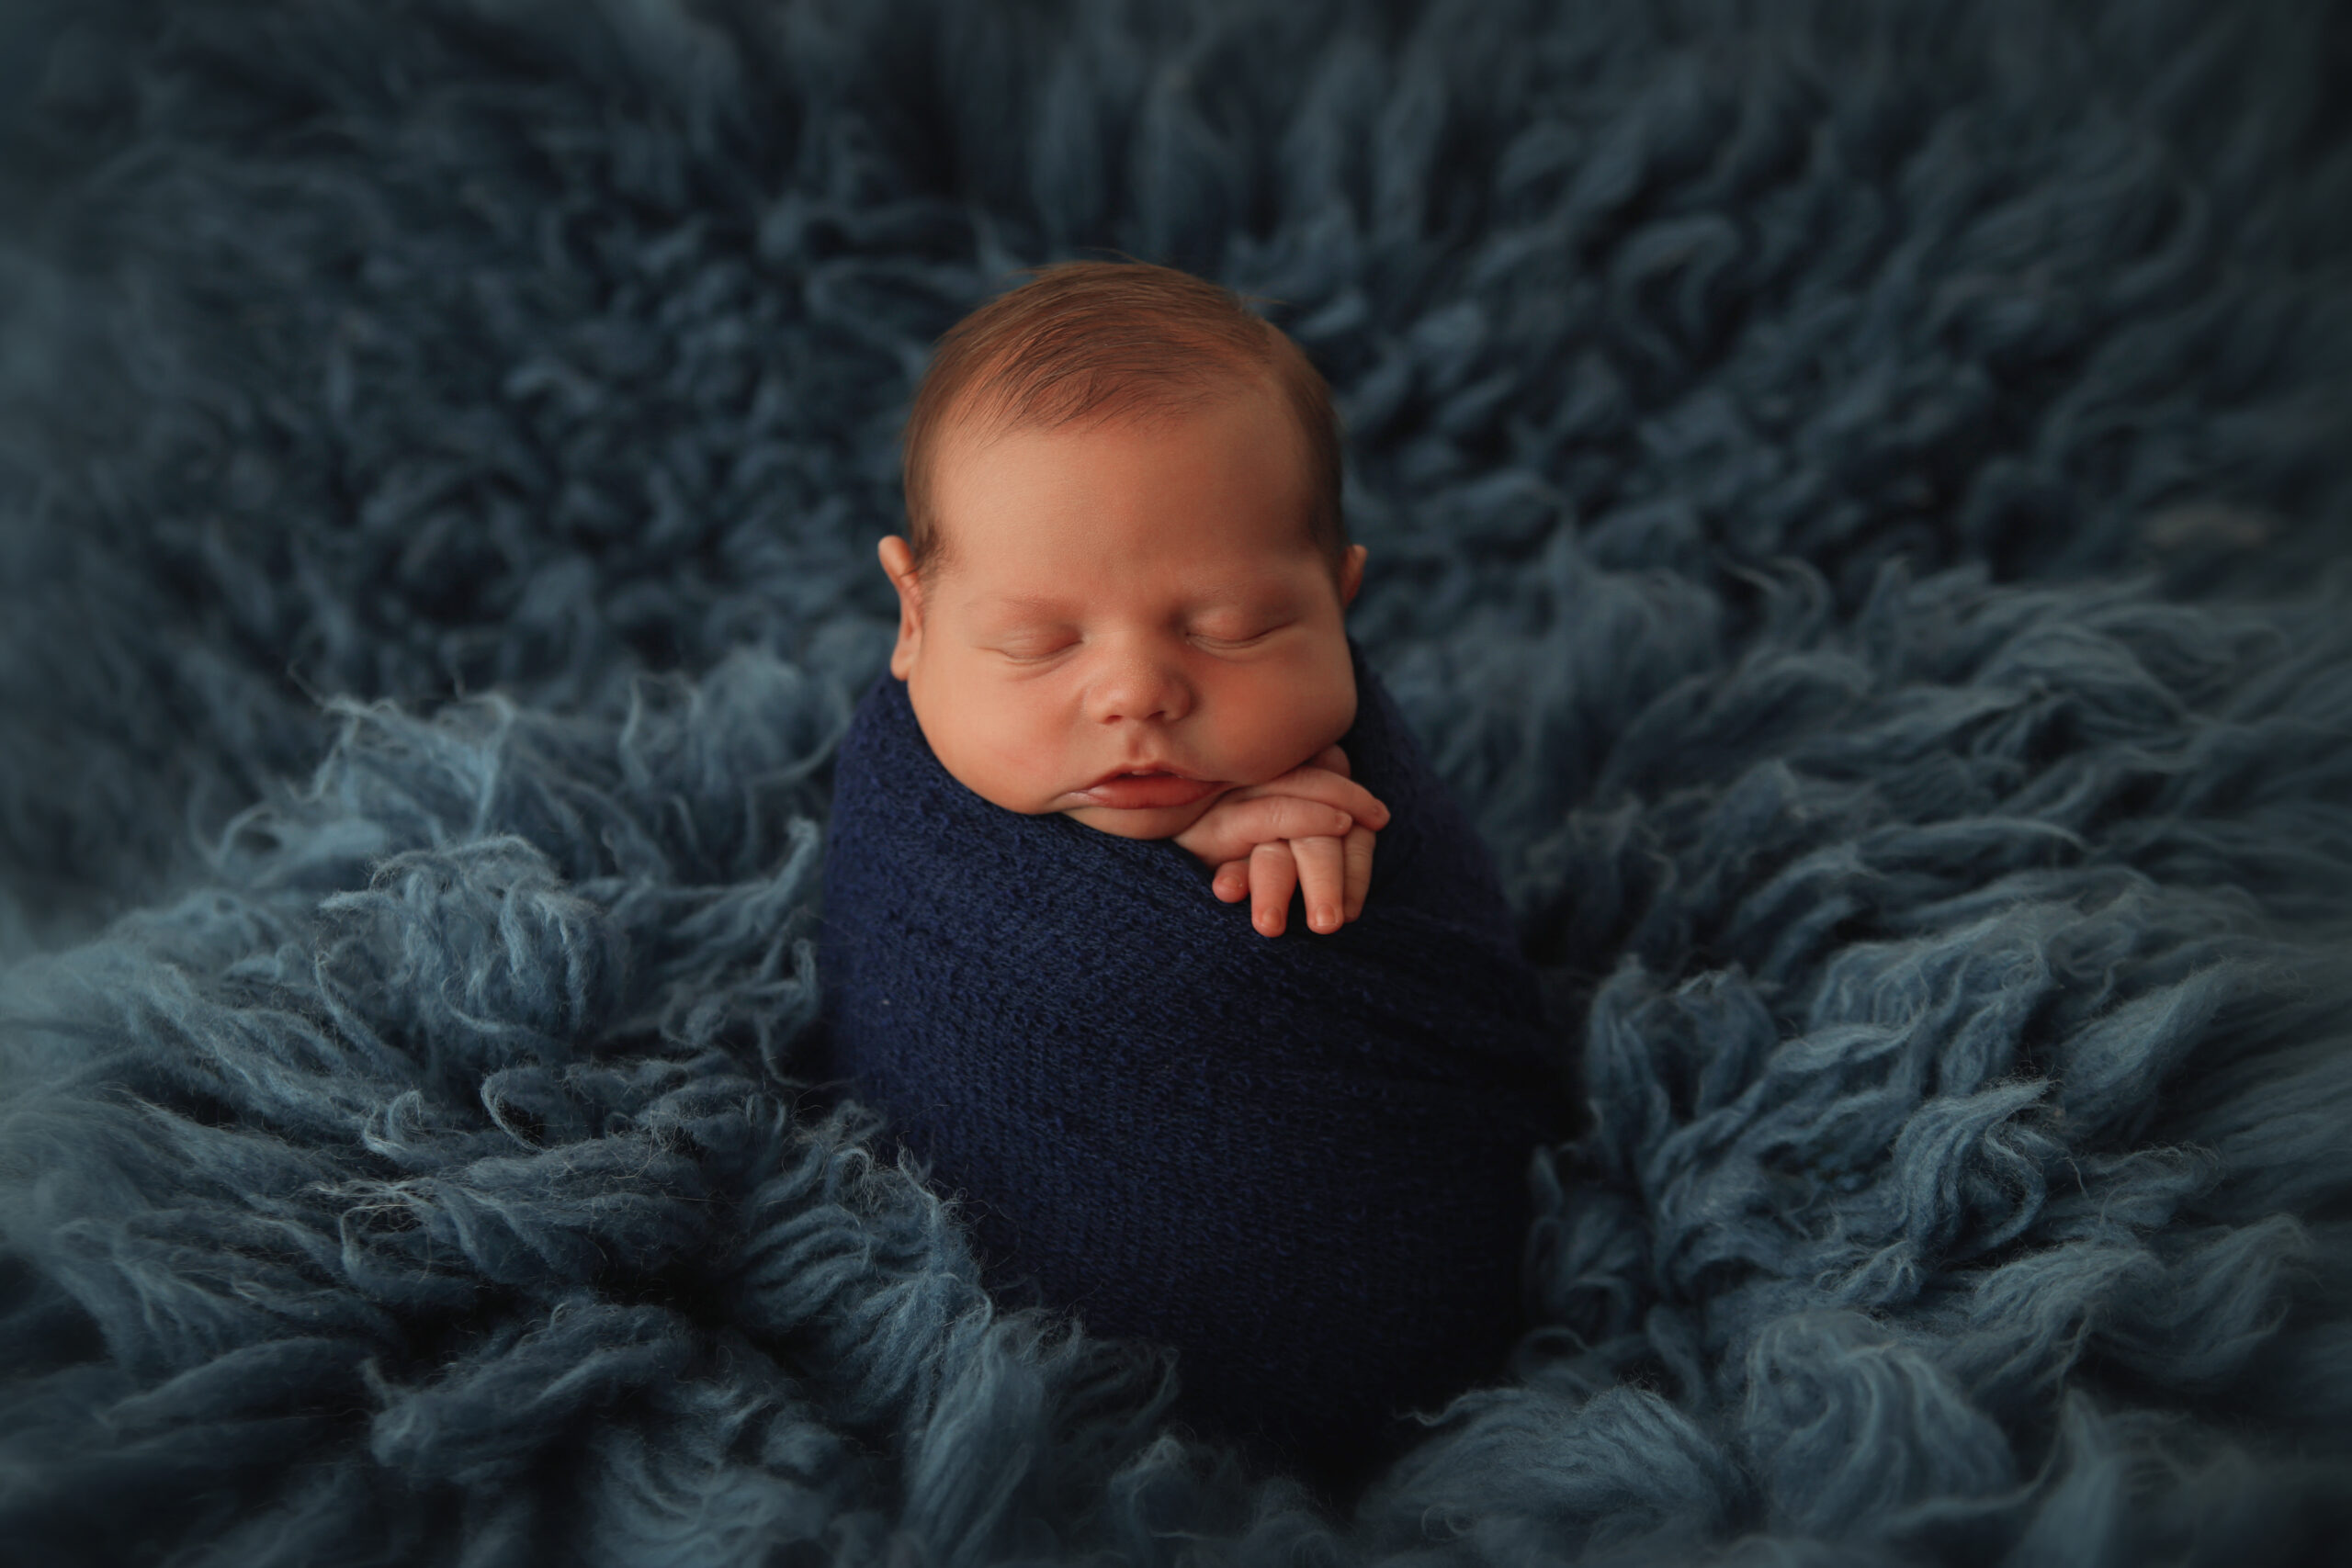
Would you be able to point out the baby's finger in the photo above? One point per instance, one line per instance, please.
(1236, 827)
(1332, 789)
(1274, 877)
(1333, 760)
(1357, 850)
(1323, 877)
(1231, 882)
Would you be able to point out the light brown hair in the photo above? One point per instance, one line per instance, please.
(1102, 339)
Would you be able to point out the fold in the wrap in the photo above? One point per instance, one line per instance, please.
(1301, 1161)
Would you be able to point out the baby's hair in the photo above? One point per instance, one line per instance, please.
(1098, 341)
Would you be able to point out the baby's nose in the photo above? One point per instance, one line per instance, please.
(1139, 689)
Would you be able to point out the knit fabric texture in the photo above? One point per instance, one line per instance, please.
(1301, 1161)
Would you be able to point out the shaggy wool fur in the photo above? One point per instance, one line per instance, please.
(1856, 498)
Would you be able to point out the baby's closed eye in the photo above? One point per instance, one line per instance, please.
(1234, 635)
(1032, 649)
(1243, 620)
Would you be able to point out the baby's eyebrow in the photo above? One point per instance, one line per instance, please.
(1024, 605)
(1043, 607)
(1249, 599)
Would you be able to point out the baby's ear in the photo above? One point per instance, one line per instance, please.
(899, 565)
(1351, 574)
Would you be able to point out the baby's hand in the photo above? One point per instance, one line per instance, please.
(1311, 828)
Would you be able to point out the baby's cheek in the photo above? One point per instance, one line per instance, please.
(1022, 760)
(1024, 785)
(1281, 729)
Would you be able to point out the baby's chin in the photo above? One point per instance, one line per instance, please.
(1160, 822)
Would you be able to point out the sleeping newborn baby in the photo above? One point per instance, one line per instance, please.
(1123, 700)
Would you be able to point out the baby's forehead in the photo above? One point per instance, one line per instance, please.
(1000, 406)
(1245, 552)
(964, 441)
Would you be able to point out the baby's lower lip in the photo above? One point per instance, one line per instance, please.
(1129, 793)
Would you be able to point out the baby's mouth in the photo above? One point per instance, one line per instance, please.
(1144, 789)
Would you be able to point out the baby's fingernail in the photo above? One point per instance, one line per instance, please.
(1325, 920)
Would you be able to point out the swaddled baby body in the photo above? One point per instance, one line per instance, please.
(1122, 699)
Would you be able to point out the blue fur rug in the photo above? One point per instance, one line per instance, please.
(1857, 500)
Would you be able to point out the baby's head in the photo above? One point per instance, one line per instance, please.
(1126, 552)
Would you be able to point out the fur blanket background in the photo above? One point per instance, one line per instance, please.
(1857, 499)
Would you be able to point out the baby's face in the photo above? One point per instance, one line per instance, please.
(1132, 598)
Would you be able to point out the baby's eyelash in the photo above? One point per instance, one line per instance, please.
(1029, 654)
(1236, 642)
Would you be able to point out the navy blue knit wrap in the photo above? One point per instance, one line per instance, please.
(1299, 1160)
